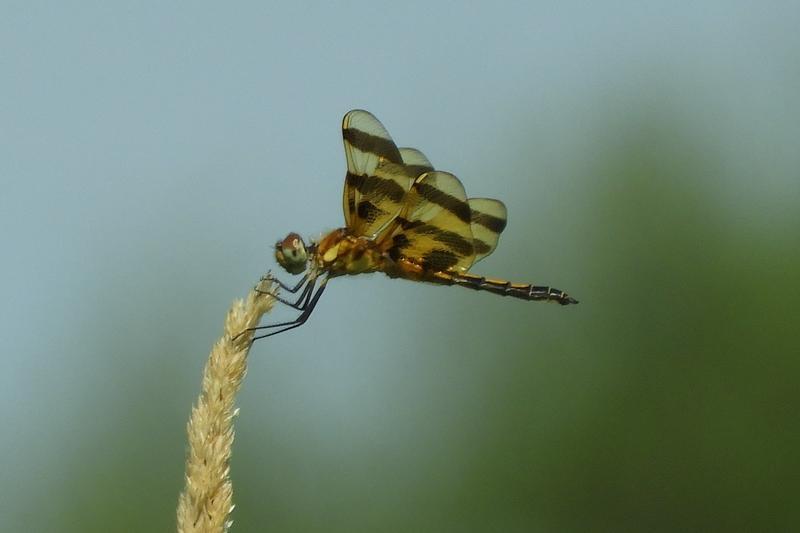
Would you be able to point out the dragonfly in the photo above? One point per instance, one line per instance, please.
(402, 218)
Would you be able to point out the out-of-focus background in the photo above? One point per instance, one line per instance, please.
(151, 155)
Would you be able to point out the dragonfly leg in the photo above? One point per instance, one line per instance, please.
(303, 295)
(299, 321)
(301, 304)
(310, 299)
(282, 285)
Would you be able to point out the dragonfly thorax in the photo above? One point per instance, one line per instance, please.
(340, 253)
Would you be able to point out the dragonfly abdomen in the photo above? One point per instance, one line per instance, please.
(505, 288)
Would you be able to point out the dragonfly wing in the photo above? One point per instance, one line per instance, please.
(433, 229)
(487, 220)
(377, 176)
(416, 160)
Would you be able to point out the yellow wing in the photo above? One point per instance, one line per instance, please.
(433, 229)
(393, 195)
(378, 177)
(416, 161)
(488, 220)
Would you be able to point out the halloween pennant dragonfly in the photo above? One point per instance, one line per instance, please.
(402, 218)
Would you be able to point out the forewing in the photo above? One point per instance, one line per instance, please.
(488, 220)
(433, 228)
(377, 179)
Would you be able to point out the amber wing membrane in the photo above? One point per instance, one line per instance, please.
(416, 161)
(433, 228)
(440, 229)
(394, 196)
(487, 220)
(379, 174)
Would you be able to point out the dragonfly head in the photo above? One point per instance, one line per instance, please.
(291, 254)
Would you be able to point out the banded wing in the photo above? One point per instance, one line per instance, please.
(378, 176)
(488, 220)
(416, 161)
(433, 229)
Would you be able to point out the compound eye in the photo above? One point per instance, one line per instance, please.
(291, 253)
